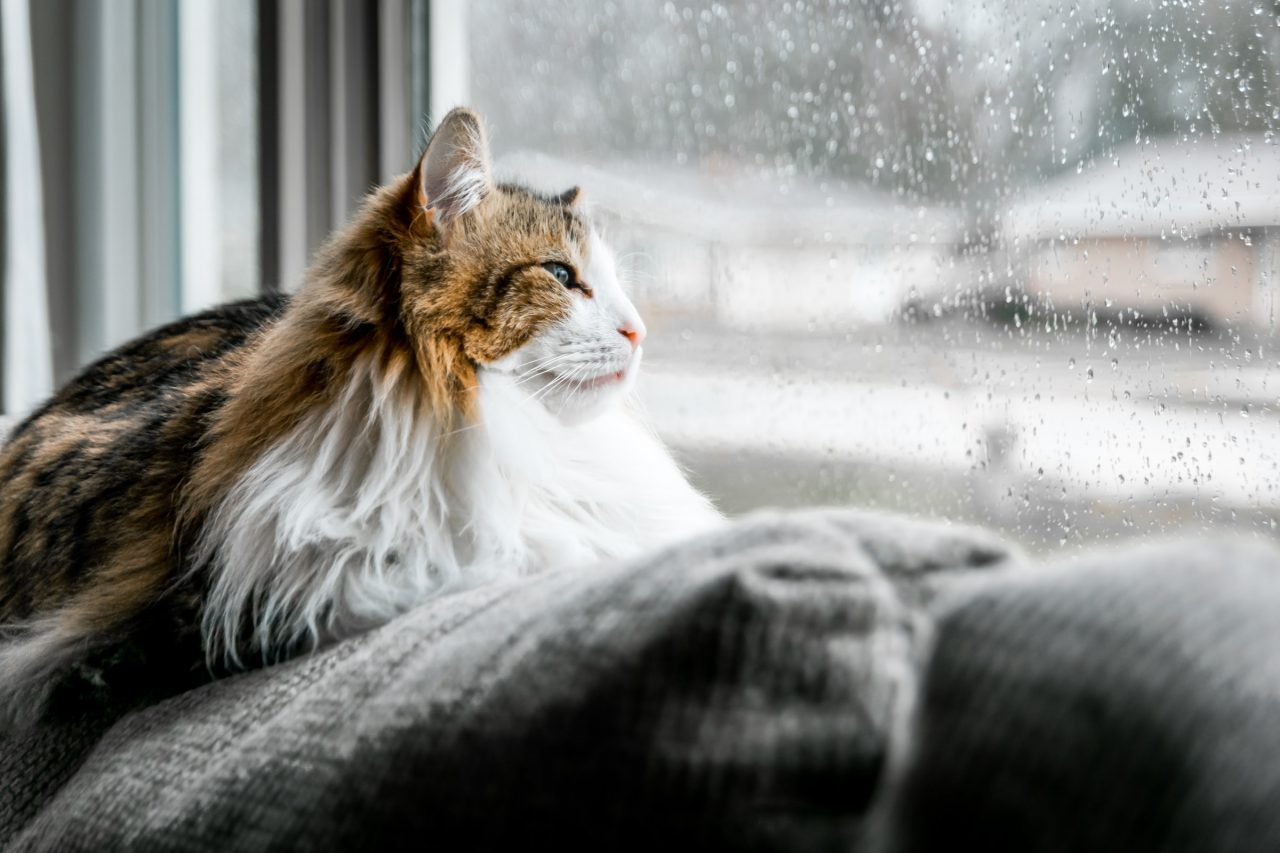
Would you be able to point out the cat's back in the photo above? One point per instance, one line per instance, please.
(100, 461)
(161, 362)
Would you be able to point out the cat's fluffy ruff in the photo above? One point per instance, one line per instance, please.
(367, 508)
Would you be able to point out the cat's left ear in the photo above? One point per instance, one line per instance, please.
(454, 174)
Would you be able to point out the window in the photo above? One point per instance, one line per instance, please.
(1008, 263)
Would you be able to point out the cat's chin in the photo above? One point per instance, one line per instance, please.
(571, 400)
(590, 400)
(578, 413)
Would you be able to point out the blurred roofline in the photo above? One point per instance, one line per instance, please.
(738, 208)
(1160, 187)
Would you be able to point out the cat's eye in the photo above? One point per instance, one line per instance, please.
(562, 273)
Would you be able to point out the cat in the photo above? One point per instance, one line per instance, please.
(443, 403)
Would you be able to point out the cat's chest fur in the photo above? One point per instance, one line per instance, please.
(367, 508)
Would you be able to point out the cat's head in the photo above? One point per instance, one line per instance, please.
(511, 281)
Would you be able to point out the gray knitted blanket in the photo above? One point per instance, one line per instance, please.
(753, 689)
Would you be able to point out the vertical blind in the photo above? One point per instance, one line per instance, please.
(161, 156)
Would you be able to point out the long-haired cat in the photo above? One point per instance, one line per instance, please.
(440, 405)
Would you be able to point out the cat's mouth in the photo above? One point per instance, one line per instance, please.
(587, 382)
(603, 379)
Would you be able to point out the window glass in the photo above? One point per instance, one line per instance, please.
(1012, 263)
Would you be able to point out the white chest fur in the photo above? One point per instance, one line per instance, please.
(366, 509)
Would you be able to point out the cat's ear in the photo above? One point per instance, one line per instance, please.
(454, 173)
(570, 197)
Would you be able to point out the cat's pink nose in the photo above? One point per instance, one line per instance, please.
(632, 333)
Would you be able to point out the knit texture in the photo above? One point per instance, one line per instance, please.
(738, 691)
(1130, 701)
(753, 689)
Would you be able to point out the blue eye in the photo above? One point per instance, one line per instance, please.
(562, 273)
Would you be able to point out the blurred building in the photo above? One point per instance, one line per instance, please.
(752, 253)
(1164, 225)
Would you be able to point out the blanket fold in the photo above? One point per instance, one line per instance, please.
(814, 680)
(736, 691)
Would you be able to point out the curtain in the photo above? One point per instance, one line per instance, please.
(28, 364)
